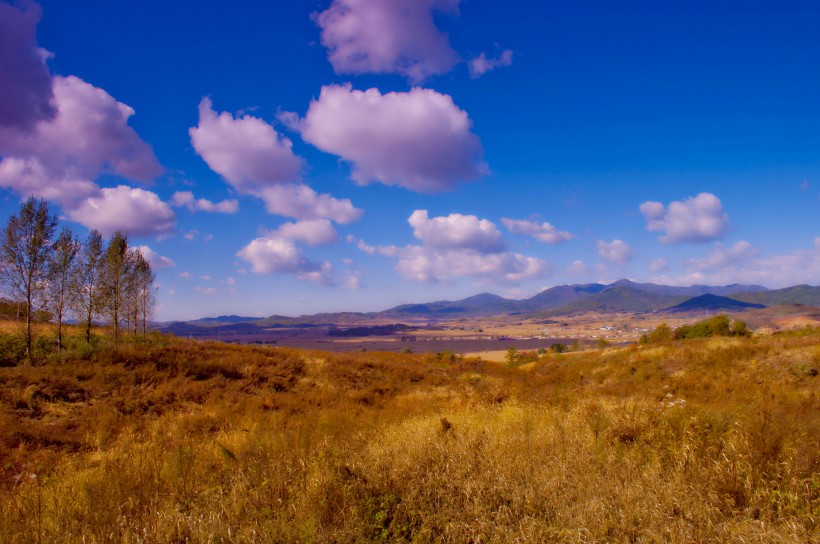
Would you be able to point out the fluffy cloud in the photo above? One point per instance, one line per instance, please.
(276, 251)
(30, 177)
(301, 202)
(417, 263)
(88, 136)
(59, 134)
(481, 64)
(156, 260)
(695, 219)
(616, 251)
(274, 254)
(543, 232)
(387, 36)
(801, 266)
(246, 151)
(257, 161)
(417, 139)
(315, 232)
(727, 256)
(458, 246)
(26, 95)
(187, 199)
(136, 211)
(456, 231)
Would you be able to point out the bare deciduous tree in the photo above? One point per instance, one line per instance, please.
(87, 302)
(61, 271)
(24, 255)
(115, 272)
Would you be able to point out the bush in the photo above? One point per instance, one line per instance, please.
(719, 325)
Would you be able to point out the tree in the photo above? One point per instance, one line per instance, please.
(88, 299)
(26, 243)
(61, 270)
(144, 281)
(512, 356)
(661, 333)
(114, 279)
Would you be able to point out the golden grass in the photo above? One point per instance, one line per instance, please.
(165, 440)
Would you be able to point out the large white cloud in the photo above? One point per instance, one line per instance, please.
(188, 200)
(695, 219)
(387, 36)
(278, 255)
(136, 211)
(417, 139)
(246, 151)
(30, 177)
(616, 251)
(543, 232)
(302, 202)
(277, 252)
(26, 95)
(456, 231)
(89, 136)
(315, 232)
(59, 134)
(458, 246)
(418, 263)
(258, 161)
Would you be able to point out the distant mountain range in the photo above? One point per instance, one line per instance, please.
(620, 296)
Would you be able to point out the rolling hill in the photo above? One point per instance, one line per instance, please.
(710, 302)
(799, 294)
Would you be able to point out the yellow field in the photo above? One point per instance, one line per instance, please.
(165, 440)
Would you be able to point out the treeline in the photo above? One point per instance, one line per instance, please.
(55, 273)
(719, 325)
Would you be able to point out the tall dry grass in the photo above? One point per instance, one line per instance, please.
(163, 440)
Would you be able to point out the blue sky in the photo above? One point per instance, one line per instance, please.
(297, 157)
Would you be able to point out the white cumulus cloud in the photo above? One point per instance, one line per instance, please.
(186, 199)
(258, 161)
(302, 202)
(696, 219)
(616, 251)
(458, 246)
(136, 211)
(387, 36)
(543, 232)
(246, 151)
(274, 254)
(417, 139)
(456, 231)
(314, 232)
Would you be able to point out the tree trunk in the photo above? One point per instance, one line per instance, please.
(28, 327)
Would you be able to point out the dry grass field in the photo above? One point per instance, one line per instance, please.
(163, 440)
